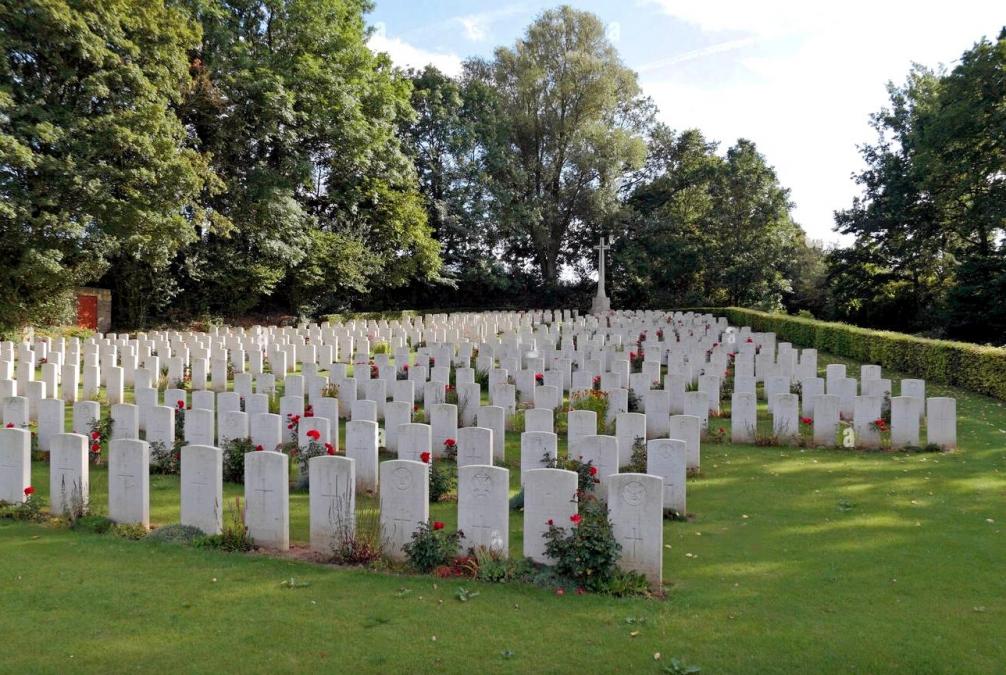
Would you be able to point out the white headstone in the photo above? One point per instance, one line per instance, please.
(635, 507)
(475, 446)
(267, 498)
(549, 496)
(15, 464)
(202, 488)
(536, 448)
(361, 447)
(69, 485)
(405, 503)
(332, 501)
(483, 508)
(129, 482)
(667, 458)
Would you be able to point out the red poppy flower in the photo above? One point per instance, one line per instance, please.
(575, 519)
(10, 425)
(29, 491)
(437, 525)
(314, 434)
(259, 448)
(425, 457)
(593, 471)
(329, 448)
(95, 436)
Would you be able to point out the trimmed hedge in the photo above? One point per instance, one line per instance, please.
(970, 366)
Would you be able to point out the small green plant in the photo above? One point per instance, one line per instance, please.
(131, 531)
(637, 461)
(586, 472)
(494, 565)
(381, 348)
(95, 524)
(443, 482)
(360, 545)
(28, 510)
(234, 535)
(431, 546)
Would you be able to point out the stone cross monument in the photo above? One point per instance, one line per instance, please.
(601, 303)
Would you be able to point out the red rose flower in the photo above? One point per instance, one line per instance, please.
(259, 448)
(95, 436)
(314, 434)
(180, 404)
(575, 519)
(539, 378)
(806, 420)
(96, 448)
(329, 448)
(749, 341)
(437, 525)
(593, 471)
(450, 443)
(550, 522)
(29, 491)
(10, 425)
(425, 457)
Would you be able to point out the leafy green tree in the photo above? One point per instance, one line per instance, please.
(703, 229)
(929, 227)
(301, 120)
(566, 125)
(95, 167)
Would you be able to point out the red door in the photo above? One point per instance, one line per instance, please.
(87, 311)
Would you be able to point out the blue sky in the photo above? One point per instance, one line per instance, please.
(798, 78)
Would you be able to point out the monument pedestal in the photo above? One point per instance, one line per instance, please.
(600, 305)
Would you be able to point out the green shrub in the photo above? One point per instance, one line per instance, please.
(637, 461)
(176, 534)
(133, 531)
(234, 459)
(978, 368)
(443, 482)
(431, 546)
(96, 524)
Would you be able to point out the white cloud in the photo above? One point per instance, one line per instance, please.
(805, 94)
(719, 48)
(476, 26)
(406, 55)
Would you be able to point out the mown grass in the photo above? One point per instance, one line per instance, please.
(795, 560)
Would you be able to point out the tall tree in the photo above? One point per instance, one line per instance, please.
(565, 127)
(94, 164)
(929, 226)
(301, 119)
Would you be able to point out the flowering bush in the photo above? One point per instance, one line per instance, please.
(100, 434)
(293, 425)
(879, 425)
(432, 546)
(314, 448)
(596, 383)
(585, 552)
(450, 448)
(591, 399)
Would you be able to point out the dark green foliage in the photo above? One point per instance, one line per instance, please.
(96, 524)
(234, 459)
(929, 253)
(980, 369)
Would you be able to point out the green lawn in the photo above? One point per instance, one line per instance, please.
(796, 560)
